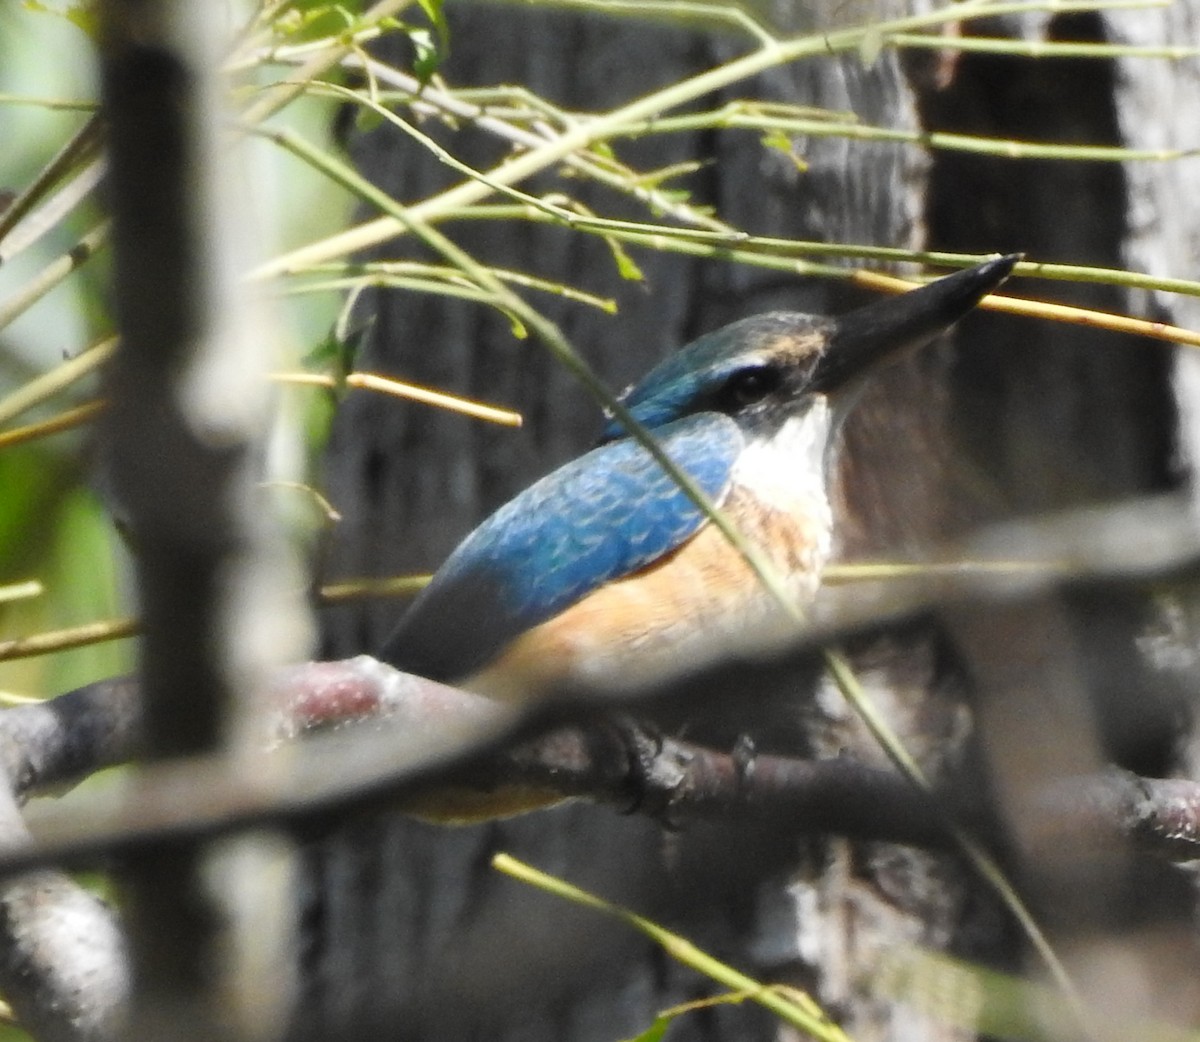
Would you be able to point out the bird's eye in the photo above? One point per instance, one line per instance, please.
(751, 385)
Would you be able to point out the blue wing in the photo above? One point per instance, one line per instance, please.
(593, 520)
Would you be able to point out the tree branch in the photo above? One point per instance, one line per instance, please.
(63, 964)
(384, 717)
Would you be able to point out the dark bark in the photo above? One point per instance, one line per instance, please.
(404, 923)
(600, 758)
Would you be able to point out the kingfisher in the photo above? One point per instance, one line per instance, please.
(607, 572)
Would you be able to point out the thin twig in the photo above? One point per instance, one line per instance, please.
(413, 392)
(82, 145)
(66, 639)
(64, 421)
(1055, 312)
(584, 135)
(53, 274)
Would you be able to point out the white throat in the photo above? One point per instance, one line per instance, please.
(790, 470)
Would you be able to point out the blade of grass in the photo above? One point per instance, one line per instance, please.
(50, 104)
(801, 1012)
(390, 274)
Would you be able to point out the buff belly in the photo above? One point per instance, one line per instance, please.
(696, 604)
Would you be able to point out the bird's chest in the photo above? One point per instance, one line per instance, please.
(794, 542)
(779, 500)
(710, 584)
(704, 597)
(697, 602)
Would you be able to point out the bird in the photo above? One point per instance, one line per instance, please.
(606, 572)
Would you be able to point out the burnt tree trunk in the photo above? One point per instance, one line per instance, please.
(409, 932)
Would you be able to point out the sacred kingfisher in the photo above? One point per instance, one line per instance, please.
(606, 570)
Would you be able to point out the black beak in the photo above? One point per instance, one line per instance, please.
(862, 339)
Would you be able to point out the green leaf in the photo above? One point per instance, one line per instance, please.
(304, 20)
(336, 355)
(437, 18)
(780, 142)
(366, 119)
(777, 140)
(655, 1031)
(432, 47)
(518, 328)
(428, 59)
(626, 265)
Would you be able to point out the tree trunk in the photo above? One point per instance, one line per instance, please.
(409, 932)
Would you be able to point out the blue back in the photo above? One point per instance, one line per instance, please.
(595, 519)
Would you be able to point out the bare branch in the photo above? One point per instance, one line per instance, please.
(62, 955)
(402, 738)
(63, 740)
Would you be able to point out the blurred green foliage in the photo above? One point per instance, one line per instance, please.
(51, 526)
(53, 523)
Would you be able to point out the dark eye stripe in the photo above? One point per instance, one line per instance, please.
(749, 385)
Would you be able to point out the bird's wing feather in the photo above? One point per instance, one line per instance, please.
(595, 519)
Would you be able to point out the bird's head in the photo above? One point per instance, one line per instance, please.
(764, 369)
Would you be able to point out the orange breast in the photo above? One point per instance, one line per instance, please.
(688, 606)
